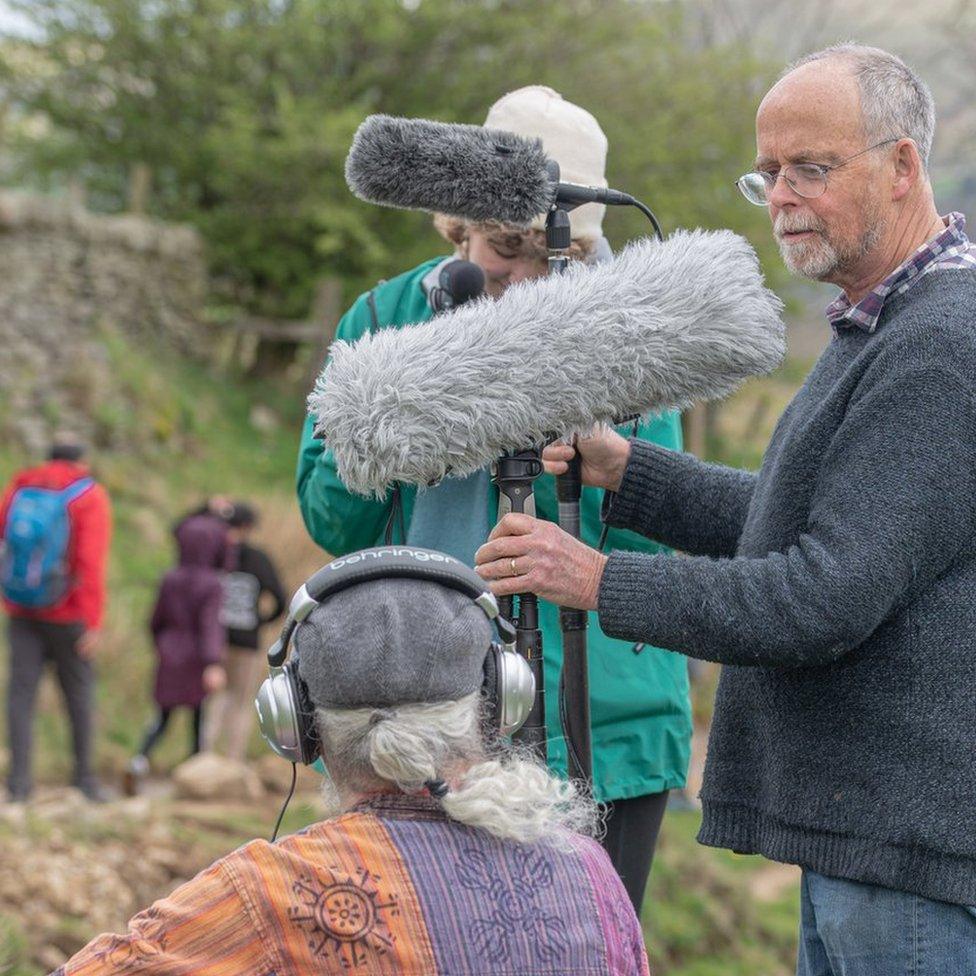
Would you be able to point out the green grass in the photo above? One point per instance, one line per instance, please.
(701, 917)
(14, 953)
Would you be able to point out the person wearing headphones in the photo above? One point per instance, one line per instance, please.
(443, 850)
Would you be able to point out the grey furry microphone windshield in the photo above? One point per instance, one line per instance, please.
(661, 326)
(462, 170)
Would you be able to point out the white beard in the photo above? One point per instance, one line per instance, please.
(814, 258)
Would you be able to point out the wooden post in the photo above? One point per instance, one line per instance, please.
(695, 430)
(326, 305)
(326, 311)
(140, 182)
(712, 409)
(77, 193)
(271, 347)
(700, 429)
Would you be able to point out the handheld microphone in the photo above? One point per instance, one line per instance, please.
(457, 283)
(462, 170)
(661, 326)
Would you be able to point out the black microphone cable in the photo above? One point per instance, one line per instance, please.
(644, 209)
(649, 214)
(606, 528)
(284, 806)
(396, 516)
(571, 750)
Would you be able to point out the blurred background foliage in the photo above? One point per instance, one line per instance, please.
(240, 115)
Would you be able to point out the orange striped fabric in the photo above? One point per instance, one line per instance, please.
(182, 934)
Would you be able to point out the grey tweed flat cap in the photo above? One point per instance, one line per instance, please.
(392, 642)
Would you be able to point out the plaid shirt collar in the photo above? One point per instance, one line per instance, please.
(951, 248)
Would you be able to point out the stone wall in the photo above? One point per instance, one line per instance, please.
(68, 279)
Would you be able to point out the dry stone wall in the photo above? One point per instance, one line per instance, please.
(69, 278)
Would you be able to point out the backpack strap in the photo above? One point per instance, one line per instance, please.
(77, 489)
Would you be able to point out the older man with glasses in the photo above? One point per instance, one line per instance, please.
(838, 584)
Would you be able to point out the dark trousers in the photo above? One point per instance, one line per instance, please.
(159, 727)
(34, 644)
(632, 829)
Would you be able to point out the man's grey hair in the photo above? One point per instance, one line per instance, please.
(497, 789)
(895, 102)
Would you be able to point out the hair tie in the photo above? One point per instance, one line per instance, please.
(437, 788)
(379, 715)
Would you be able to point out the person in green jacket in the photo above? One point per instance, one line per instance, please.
(640, 711)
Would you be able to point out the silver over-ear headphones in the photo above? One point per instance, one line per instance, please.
(286, 715)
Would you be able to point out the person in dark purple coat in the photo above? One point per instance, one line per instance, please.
(187, 632)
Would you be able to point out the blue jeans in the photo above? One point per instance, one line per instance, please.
(853, 929)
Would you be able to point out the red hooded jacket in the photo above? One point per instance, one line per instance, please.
(91, 529)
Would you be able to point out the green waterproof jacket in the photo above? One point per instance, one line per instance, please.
(640, 710)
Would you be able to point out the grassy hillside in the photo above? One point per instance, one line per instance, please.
(174, 433)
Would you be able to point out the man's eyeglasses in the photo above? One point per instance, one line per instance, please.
(805, 179)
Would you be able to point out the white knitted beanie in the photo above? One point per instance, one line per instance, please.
(569, 134)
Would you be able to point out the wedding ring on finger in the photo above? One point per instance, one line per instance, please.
(515, 571)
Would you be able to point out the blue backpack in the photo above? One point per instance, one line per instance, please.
(33, 570)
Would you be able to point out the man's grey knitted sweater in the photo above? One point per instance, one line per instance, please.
(839, 586)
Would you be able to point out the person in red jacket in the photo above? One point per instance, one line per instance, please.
(55, 527)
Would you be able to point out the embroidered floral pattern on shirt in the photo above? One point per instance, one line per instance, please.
(515, 912)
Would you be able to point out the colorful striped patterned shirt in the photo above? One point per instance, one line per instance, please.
(392, 887)
(950, 249)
